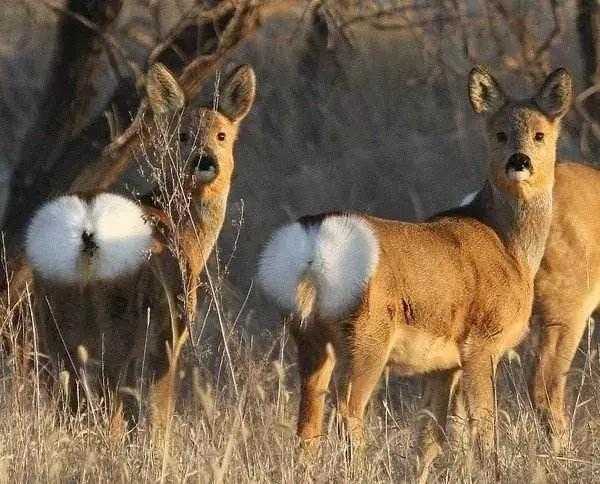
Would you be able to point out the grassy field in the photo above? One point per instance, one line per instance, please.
(236, 419)
(389, 131)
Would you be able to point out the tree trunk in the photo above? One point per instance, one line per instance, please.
(67, 100)
(588, 26)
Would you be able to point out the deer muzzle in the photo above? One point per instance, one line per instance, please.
(519, 167)
(206, 167)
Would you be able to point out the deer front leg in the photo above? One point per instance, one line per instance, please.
(164, 386)
(479, 367)
(126, 402)
(162, 398)
(438, 388)
(560, 337)
(170, 340)
(191, 302)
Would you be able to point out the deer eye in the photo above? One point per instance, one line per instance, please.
(539, 136)
(221, 136)
(501, 137)
(183, 137)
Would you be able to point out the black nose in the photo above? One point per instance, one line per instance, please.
(204, 162)
(519, 162)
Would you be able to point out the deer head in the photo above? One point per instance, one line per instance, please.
(202, 139)
(522, 135)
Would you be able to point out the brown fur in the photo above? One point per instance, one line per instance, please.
(130, 330)
(567, 289)
(449, 296)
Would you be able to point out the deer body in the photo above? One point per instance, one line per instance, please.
(466, 255)
(115, 281)
(444, 298)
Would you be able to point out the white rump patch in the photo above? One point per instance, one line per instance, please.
(55, 238)
(339, 255)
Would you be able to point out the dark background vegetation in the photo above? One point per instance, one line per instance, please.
(361, 103)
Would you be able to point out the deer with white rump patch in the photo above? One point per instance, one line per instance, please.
(446, 298)
(115, 280)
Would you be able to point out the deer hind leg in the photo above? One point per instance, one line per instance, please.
(316, 361)
(438, 394)
(66, 381)
(560, 337)
(61, 374)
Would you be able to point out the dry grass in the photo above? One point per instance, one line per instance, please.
(245, 431)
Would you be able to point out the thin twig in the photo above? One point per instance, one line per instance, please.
(195, 15)
(112, 46)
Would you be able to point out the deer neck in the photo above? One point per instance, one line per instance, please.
(199, 234)
(523, 224)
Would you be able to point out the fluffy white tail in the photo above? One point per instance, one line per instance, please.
(71, 239)
(320, 266)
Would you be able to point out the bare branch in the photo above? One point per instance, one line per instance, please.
(106, 171)
(379, 17)
(243, 22)
(554, 34)
(580, 108)
(198, 14)
(111, 45)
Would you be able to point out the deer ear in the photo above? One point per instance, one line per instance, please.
(238, 93)
(484, 92)
(164, 93)
(554, 98)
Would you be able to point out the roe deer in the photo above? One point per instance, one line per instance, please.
(115, 281)
(567, 289)
(443, 297)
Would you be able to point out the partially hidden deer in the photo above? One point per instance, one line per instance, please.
(567, 291)
(444, 298)
(114, 279)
